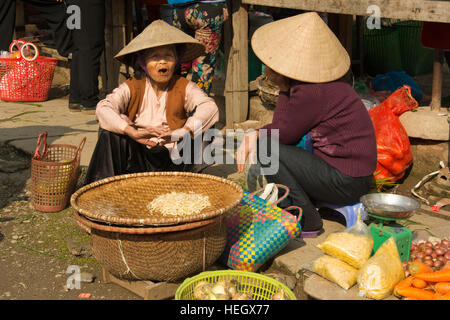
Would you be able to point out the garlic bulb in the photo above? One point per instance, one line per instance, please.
(242, 296)
(280, 295)
(220, 288)
(203, 290)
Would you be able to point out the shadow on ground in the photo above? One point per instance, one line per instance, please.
(33, 131)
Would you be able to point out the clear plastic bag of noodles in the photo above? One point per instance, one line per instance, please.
(377, 278)
(353, 246)
(335, 271)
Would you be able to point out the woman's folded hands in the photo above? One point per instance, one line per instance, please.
(145, 135)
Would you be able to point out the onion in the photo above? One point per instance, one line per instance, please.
(439, 251)
(427, 258)
(420, 255)
(428, 244)
(429, 262)
(447, 256)
(413, 247)
(428, 251)
(434, 255)
(442, 258)
(413, 256)
(438, 264)
(445, 242)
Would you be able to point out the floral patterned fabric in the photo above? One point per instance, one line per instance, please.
(204, 22)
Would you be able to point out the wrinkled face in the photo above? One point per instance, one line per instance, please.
(160, 63)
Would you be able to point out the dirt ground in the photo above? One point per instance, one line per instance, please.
(36, 248)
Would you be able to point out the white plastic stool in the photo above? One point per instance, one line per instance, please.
(350, 212)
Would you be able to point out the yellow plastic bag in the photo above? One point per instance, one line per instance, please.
(335, 270)
(377, 278)
(354, 249)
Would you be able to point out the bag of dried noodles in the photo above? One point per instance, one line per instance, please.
(353, 246)
(377, 278)
(335, 271)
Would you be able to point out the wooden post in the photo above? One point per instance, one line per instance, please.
(436, 94)
(139, 21)
(119, 39)
(346, 32)
(341, 25)
(360, 27)
(129, 22)
(129, 28)
(19, 30)
(236, 85)
(115, 40)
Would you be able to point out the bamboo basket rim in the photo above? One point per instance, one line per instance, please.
(45, 162)
(154, 221)
(143, 230)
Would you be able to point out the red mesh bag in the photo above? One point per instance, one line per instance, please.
(393, 147)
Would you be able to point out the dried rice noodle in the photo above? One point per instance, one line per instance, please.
(179, 203)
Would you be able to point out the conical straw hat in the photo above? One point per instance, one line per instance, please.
(160, 33)
(301, 47)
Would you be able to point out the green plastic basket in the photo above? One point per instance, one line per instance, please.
(263, 287)
(382, 50)
(416, 59)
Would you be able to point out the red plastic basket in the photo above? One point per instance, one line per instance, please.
(24, 79)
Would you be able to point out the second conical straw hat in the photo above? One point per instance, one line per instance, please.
(160, 33)
(301, 47)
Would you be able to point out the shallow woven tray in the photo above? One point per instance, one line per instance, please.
(122, 200)
(87, 225)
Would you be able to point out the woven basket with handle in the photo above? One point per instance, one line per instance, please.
(54, 174)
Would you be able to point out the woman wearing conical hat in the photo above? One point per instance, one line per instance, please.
(141, 120)
(306, 60)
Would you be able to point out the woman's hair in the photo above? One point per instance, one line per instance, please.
(138, 61)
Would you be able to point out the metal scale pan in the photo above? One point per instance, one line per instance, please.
(389, 206)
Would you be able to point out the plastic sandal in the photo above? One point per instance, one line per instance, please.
(310, 234)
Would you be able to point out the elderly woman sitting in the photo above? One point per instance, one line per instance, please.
(142, 120)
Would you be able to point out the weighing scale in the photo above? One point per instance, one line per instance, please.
(386, 209)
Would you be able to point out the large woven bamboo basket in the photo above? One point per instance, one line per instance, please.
(157, 253)
(122, 200)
